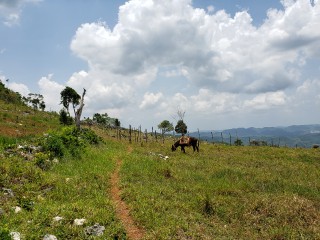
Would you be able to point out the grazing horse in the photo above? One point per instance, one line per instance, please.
(194, 142)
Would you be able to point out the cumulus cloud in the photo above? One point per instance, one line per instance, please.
(10, 10)
(150, 100)
(19, 87)
(50, 90)
(233, 64)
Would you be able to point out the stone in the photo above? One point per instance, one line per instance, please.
(50, 237)
(79, 222)
(15, 235)
(95, 230)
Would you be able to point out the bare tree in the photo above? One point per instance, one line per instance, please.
(79, 110)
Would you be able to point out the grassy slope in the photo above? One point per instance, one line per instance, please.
(222, 192)
(18, 121)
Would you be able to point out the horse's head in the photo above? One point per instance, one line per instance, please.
(173, 148)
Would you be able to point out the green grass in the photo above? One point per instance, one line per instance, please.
(20, 121)
(222, 192)
(225, 192)
(74, 188)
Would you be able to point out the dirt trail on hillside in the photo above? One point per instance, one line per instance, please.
(122, 210)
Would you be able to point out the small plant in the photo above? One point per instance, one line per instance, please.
(238, 142)
(208, 208)
(42, 161)
(26, 204)
(5, 234)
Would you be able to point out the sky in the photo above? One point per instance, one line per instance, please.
(226, 64)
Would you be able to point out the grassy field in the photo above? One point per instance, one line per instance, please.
(222, 192)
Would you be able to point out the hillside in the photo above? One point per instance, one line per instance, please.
(73, 184)
(19, 120)
(292, 136)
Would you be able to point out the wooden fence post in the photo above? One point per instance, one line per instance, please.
(129, 133)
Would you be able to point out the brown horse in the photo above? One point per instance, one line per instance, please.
(194, 142)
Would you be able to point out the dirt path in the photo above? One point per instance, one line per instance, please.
(122, 210)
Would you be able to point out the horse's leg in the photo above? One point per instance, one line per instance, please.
(182, 149)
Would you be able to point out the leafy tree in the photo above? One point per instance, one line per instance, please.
(100, 118)
(69, 95)
(36, 101)
(165, 126)
(181, 127)
(117, 123)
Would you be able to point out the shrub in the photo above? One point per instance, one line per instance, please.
(54, 144)
(69, 140)
(4, 234)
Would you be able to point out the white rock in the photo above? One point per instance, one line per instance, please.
(57, 219)
(15, 235)
(50, 237)
(79, 221)
(17, 209)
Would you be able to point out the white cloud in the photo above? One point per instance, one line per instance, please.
(266, 100)
(18, 87)
(150, 100)
(51, 92)
(228, 63)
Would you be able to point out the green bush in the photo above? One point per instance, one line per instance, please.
(69, 140)
(54, 144)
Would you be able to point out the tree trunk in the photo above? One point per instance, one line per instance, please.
(79, 110)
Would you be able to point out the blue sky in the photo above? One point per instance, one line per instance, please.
(225, 63)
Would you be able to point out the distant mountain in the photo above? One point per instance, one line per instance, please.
(291, 136)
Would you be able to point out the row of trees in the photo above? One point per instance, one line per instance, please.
(181, 127)
(69, 97)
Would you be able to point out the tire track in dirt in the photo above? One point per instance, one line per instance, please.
(122, 211)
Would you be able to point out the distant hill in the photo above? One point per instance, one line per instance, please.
(291, 136)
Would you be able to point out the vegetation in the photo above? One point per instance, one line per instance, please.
(165, 126)
(181, 127)
(47, 181)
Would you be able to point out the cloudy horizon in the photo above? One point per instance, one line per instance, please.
(143, 60)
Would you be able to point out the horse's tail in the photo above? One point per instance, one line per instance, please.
(198, 143)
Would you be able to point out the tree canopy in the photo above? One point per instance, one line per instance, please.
(181, 127)
(165, 126)
(69, 95)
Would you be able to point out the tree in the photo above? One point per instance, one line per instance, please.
(69, 95)
(36, 101)
(117, 123)
(165, 126)
(77, 114)
(100, 118)
(181, 127)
